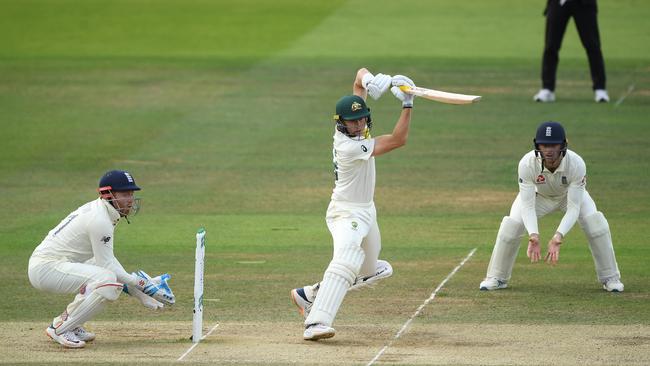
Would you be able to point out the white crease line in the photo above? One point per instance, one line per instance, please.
(417, 312)
(622, 98)
(197, 343)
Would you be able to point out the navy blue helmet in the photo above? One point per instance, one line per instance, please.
(116, 181)
(550, 133)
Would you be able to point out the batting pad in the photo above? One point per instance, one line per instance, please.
(339, 276)
(384, 270)
(596, 229)
(92, 305)
(505, 249)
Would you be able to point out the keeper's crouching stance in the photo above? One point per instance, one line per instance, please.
(552, 178)
(351, 216)
(77, 257)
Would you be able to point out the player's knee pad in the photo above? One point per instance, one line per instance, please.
(595, 225)
(347, 263)
(106, 286)
(510, 230)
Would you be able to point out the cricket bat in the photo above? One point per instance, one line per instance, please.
(440, 96)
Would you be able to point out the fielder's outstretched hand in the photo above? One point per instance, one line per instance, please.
(553, 254)
(376, 85)
(400, 80)
(534, 251)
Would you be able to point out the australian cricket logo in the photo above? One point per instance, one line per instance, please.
(356, 106)
(355, 225)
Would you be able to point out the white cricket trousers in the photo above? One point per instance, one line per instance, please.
(61, 277)
(546, 205)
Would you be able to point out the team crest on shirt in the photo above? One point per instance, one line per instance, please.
(355, 225)
(106, 239)
(564, 181)
(540, 179)
(364, 148)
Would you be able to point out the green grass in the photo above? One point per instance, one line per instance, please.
(221, 111)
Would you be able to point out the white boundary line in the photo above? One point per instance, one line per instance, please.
(197, 343)
(622, 98)
(417, 312)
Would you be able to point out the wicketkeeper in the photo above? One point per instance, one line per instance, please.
(351, 216)
(552, 178)
(77, 257)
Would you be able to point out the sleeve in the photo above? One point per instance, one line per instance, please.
(527, 197)
(575, 194)
(355, 150)
(101, 238)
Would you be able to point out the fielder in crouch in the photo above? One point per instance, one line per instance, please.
(351, 216)
(77, 257)
(552, 178)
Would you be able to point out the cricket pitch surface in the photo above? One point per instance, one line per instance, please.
(354, 344)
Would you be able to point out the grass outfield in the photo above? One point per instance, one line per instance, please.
(221, 111)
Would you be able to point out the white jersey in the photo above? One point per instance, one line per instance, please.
(567, 182)
(87, 233)
(354, 169)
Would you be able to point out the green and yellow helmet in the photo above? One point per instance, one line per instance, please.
(351, 108)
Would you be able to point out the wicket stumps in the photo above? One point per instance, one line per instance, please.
(197, 319)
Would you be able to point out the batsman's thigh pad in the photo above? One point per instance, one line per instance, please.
(371, 245)
(505, 249)
(596, 230)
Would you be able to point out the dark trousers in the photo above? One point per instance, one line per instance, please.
(584, 13)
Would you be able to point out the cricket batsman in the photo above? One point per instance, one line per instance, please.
(351, 216)
(552, 178)
(76, 256)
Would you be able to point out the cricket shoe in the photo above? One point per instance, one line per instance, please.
(544, 96)
(318, 331)
(601, 96)
(83, 334)
(492, 283)
(613, 285)
(304, 298)
(67, 339)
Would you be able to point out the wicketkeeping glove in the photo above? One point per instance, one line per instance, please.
(145, 300)
(156, 287)
(376, 85)
(400, 80)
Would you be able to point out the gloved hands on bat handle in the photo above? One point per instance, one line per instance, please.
(401, 80)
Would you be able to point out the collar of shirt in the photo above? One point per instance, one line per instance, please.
(113, 214)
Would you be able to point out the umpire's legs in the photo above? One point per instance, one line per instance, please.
(586, 18)
(557, 18)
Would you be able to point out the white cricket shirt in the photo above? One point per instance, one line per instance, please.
(568, 182)
(86, 233)
(354, 169)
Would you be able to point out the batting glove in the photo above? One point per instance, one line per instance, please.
(376, 85)
(401, 80)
